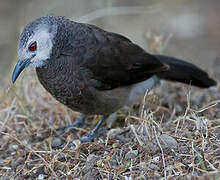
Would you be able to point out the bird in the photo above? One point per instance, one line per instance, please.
(94, 71)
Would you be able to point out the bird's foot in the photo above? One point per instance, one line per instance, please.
(89, 138)
(96, 132)
(78, 123)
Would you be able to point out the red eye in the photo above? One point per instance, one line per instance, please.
(33, 46)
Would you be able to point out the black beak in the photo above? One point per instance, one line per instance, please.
(19, 68)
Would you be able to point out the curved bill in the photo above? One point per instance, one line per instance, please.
(19, 68)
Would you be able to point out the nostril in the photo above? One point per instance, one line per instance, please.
(19, 63)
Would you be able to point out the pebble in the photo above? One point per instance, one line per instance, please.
(116, 145)
(143, 165)
(99, 163)
(168, 142)
(89, 172)
(5, 138)
(184, 149)
(157, 175)
(154, 167)
(113, 133)
(41, 176)
(61, 157)
(39, 137)
(156, 159)
(91, 161)
(131, 154)
(56, 142)
(114, 161)
(13, 147)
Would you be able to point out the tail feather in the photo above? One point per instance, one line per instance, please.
(184, 72)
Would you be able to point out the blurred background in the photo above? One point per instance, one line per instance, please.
(188, 29)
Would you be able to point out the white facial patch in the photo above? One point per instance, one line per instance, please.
(44, 47)
(44, 43)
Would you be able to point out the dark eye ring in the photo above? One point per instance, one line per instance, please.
(33, 46)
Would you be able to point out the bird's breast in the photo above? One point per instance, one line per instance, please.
(61, 81)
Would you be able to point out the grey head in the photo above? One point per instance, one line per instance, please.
(36, 43)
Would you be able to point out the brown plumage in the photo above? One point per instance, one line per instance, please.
(94, 71)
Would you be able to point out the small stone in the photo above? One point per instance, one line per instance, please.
(156, 159)
(41, 176)
(178, 108)
(39, 137)
(6, 168)
(131, 154)
(154, 167)
(89, 172)
(168, 142)
(184, 149)
(157, 175)
(56, 142)
(13, 147)
(108, 158)
(61, 157)
(5, 138)
(91, 161)
(13, 153)
(92, 174)
(113, 133)
(92, 157)
(114, 161)
(99, 163)
(116, 145)
(143, 165)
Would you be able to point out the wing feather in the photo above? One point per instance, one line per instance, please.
(120, 62)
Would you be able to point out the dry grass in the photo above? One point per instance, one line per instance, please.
(173, 134)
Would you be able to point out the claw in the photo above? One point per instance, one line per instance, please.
(96, 132)
(78, 123)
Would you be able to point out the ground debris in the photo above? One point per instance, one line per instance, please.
(176, 131)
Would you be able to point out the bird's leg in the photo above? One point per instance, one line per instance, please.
(78, 123)
(96, 132)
